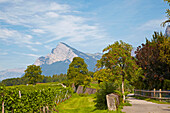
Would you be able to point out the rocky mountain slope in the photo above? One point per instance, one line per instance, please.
(167, 31)
(58, 60)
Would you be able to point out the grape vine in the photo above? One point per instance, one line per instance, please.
(31, 99)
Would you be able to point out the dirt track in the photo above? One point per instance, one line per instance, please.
(141, 106)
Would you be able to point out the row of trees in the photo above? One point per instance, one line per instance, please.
(32, 78)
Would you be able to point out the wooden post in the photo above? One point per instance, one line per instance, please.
(19, 94)
(154, 92)
(43, 109)
(160, 96)
(47, 109)
(3, 107)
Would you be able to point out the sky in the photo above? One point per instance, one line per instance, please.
(31, 28)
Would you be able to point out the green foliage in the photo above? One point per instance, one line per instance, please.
(83, 95)
(78, 72)
(118, 62)
(153, 58)
(94, 85)
(24, 80)
(103, 75)
(105, 88)
(33, 73)
(164, 48)
(166, 84)
(32, 98)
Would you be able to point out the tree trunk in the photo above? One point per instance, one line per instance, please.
(123, 88)
(2, 106)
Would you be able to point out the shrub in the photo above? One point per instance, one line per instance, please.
(105, 88)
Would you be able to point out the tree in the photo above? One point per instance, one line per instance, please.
(153, 58)
(78, 72)
(118, 59)
(164, 48)
(168, 14)
(33, 73)
(102, 75)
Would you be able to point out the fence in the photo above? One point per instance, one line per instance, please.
(154, 94)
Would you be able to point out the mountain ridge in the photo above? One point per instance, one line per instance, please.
(58, 60)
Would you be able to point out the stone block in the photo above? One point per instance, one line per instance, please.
(79, 90)
(112, 101)
(74, 88)
(90, 91)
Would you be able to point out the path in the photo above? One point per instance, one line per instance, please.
(142, 106)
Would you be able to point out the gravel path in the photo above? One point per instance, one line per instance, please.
(142, 106)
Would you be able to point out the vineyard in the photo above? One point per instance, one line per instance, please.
(28, 99)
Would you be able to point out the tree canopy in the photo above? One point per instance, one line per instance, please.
(153, 58)
(78, 72)
(33, 73)
(118, 60)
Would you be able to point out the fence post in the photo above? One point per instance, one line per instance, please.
(2, 106)
(154, 93)
(160, 96)
(43, 109)
(19, 94)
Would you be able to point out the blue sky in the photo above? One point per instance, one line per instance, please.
(31, 28)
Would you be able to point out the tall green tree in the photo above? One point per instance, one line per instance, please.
(78, 72)
(33, 73)
(153, 58)
(118, 59)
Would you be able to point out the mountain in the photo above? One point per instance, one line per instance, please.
(58, 60)
(167, 31)
(11, 73)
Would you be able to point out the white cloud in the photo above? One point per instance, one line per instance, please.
(151, 25)
(30, 47)
(3, 53)
(38, 31)
(15, 37)
(27, 54)
(32, 55)
(52, 21)
(3, 1)
(15, 1)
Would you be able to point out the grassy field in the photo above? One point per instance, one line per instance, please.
(78, 104)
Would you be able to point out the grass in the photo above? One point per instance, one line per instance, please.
(94, 85)
(78, 104)
(152, 100)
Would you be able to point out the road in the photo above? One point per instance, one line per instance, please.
(142, 106)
